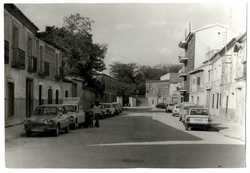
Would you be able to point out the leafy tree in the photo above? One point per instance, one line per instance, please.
(132, 77)
(82, 56)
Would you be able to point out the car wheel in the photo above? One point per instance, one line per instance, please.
(28, 133)
(56, 133)
(75, 125)
(66, 129)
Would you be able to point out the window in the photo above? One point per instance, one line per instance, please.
(198, 81)
(49, 96)
(198, 100)
(192, 98)
(29, 47)
(213, 102)
(6, 52)
(57, 96)
(10, 100)
(193, 80)
(66, 94)
(46, 68)
(209, 73)
(40, 95)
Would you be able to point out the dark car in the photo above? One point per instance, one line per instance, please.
(161, 106)
(47, 118)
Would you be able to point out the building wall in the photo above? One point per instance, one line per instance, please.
(197, 88)
(210, 39)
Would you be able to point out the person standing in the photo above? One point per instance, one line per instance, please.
(97, 112)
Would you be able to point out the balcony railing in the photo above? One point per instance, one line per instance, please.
(58, 73)
(18, 59)
(183, 44)
(182, 58)
(44, 68)
(32, 65)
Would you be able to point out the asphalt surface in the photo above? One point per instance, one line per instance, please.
(130, 140)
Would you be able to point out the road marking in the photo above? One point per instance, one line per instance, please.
(169, 143)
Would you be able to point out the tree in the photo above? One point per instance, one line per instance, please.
(82, 56)
(132, 77)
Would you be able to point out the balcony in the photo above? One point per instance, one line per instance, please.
(44, 69)
(182, 59)
(58, 73)
(182, 72)
(18, 59)
(32, 64)
(182, 44)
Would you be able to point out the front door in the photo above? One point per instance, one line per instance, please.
(10, 100)
(29, 100)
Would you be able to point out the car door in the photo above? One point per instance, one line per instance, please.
(63, 117)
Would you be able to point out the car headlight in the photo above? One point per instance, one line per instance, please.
(49, 122)
(26, 122)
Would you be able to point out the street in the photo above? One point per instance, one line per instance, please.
(130, 140)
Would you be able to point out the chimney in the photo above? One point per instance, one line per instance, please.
(189, 27)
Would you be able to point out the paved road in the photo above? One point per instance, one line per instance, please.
(130, 140)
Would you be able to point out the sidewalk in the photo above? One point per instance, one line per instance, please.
(229, 129)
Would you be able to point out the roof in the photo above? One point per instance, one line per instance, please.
(40, 36)
(50, 105)
(11, 8)
(156, 81)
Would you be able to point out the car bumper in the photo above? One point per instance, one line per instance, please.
(40, 129)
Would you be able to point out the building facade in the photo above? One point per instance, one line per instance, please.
(196, 44)
(111, 84)
(33, 67)
(222, 86)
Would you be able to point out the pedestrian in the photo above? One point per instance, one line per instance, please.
(97, 112)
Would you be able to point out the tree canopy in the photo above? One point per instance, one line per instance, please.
(132, 77)
(82, 56)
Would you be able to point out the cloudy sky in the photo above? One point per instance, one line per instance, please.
(144, 33)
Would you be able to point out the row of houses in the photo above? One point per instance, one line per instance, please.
(34, 71)
(214, 71)
(163, 90)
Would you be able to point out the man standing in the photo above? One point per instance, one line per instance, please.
(97, 112)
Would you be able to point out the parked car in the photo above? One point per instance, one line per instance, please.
(183, 108)
(197, 117)
(119, 106)
(186, 109)
(176, 110)
(47, 118)
(109, 109)
(161, 106)
(170, 107)
(77, 115)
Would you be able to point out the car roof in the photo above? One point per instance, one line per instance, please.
(50, 105)
(187, 103)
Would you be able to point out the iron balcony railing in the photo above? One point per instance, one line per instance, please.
(32, 64)
(18, 59)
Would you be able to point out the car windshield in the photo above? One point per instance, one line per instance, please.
(70, 108)
(46, 111)
(106, 106)
(199, 112)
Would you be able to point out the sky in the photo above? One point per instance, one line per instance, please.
(143, 33)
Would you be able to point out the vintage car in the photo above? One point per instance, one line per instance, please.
(169, 107)
(186, 110)
(75, 111)
(47, 118)
(197, 117)
(119, 106)
(109, 109)
(183, 109)
(161, 106)
(176, 110)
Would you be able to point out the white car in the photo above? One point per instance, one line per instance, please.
(197, 117)
(77, 115)
(176, 110)
(109, 109)
(119, 106)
